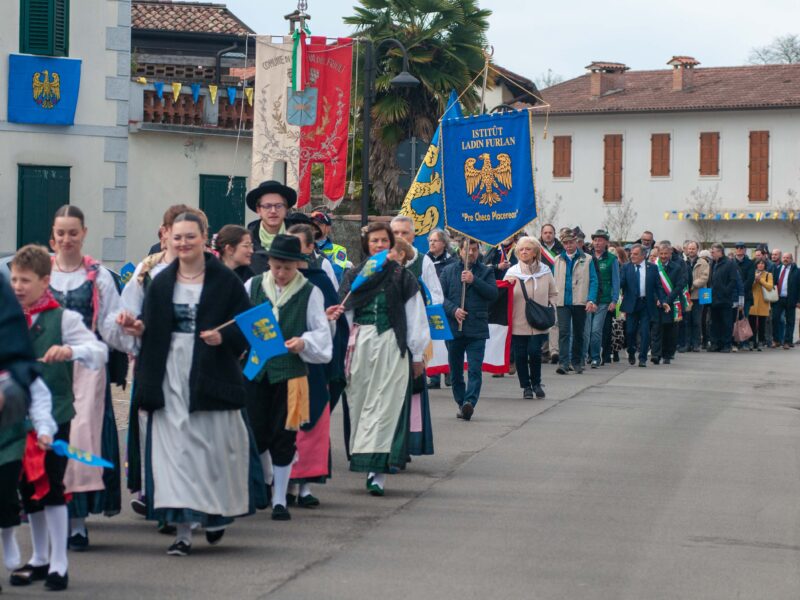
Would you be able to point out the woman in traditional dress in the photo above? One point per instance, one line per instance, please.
(235, 248)
(326, 383)
(197, 455)
(80, 283)
(389, 336)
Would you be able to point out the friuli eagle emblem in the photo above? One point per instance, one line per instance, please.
(488, 183)
(46, 89)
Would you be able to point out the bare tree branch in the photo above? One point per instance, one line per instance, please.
(704, 204)
(783, 50)
(791, 205)
(619, 220)
(547, 78)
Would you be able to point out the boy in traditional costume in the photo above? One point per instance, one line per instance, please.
(59, 338)
(278, 398)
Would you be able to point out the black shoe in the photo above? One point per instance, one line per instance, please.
(554, 359)
(213, 537)
(527, 393)
(643, 363)
(447, 381)
(537, 389)
(579, 370)
(28, 574)
(726, 350)
(179, 548)
(571, 368)
(56, 582)
(655, 361)
(435, 386)
(667, 361)
(631, 359)
(139, 507)
(615, 357)
(561, 371)
(291, 500)
(307, 501)
(78, 542)
(280, 513)
(595, 364)
(167, 529)
(467, 410)
(459, 414)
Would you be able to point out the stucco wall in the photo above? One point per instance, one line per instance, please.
(582, 194)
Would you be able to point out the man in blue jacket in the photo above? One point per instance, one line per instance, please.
(641, 293)
(474, 322)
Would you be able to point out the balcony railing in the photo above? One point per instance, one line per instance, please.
(147, 111)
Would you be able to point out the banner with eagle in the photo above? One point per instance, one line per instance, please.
(43, 90)
(487, 168)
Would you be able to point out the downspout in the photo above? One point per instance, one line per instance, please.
(218, 74)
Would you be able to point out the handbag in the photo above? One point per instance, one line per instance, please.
(741, 328)
(770, 295)
(538, 316)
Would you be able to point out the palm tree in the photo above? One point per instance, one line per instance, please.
(445, 40)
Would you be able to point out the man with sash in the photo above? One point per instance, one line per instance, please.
(278, 397)
(672, 278)
(502, 257)
(551, 248)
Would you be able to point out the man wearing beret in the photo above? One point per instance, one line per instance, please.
(271, 201)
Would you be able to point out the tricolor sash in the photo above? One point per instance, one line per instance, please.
(666, 283)
(549, 257)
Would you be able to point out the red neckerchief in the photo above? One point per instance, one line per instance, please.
(45, 302)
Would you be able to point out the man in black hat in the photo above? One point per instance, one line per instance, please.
(271, 201)
(606, 267)
(277, 398)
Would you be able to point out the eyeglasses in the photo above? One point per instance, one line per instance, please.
(271, 207)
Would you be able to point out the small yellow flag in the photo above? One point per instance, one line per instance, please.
(176, 91)
(666, 216)
(142, 80)
(248, 92)
(727, 216)
(212, 92)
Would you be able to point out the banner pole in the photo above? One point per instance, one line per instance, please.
(464, 283)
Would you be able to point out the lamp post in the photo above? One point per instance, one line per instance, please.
(403, 80)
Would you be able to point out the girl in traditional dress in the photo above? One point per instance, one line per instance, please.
(80, 283)
(387, 341)
(326, 383)
(197, 468)
(235, 248)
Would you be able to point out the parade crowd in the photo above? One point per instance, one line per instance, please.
(207, 444)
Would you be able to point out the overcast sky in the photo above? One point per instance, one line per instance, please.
(565, 36)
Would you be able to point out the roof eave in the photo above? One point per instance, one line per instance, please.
(581, 113)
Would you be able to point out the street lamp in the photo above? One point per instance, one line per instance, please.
(403, 80)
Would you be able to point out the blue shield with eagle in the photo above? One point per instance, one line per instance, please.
(42, 89)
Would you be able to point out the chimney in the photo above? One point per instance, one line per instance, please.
(606, 78)
(682, 72)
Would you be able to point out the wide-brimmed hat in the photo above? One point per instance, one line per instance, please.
(601, 233)
(566, 235)
(579, 233)
(286, 247)
(271, 187)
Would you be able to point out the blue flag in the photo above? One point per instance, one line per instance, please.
(62, 448)
(438, 323)
(704, 296)
(195, 92)
(125, 273)
(263, 334)
(373, 265)
(231, 96)
(487, 175)
(159, 87)
(43, 90)
(423, 203)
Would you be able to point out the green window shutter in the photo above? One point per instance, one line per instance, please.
(40, 192)
(44, 27)
(221, 208)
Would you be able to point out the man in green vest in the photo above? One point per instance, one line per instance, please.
(606, 267)
(278, 397)
(59, 337)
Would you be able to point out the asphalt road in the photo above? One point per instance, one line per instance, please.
(677, 481)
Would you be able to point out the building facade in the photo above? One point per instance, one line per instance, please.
(710, 154)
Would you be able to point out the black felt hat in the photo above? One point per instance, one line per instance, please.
(286, 247)
(271, 187)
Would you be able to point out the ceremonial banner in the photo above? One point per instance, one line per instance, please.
(300, 127)
(43, 90)
(496, 358)
(423, 202)
(487, 167)
(264, 336)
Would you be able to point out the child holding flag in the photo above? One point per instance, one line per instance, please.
(388, 337)
(59, 337)
(278, 397)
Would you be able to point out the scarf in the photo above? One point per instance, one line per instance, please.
(45, 302)
(92, 268)
(265, 237)
(279, 298)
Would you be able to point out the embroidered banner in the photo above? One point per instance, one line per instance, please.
(487, 167)
(423, 202)
(298, 128)
(43, 90)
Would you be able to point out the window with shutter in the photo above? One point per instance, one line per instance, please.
(759, 166)
(709, 154)
(612, 168)
(40, 191)
(44, 27)
(562, 156)
(659, 155)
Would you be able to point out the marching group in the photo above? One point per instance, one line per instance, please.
(207, 445)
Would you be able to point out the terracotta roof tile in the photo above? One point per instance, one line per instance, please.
(719, 88)
(194, 17)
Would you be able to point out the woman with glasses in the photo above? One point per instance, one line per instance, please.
(235, 248)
